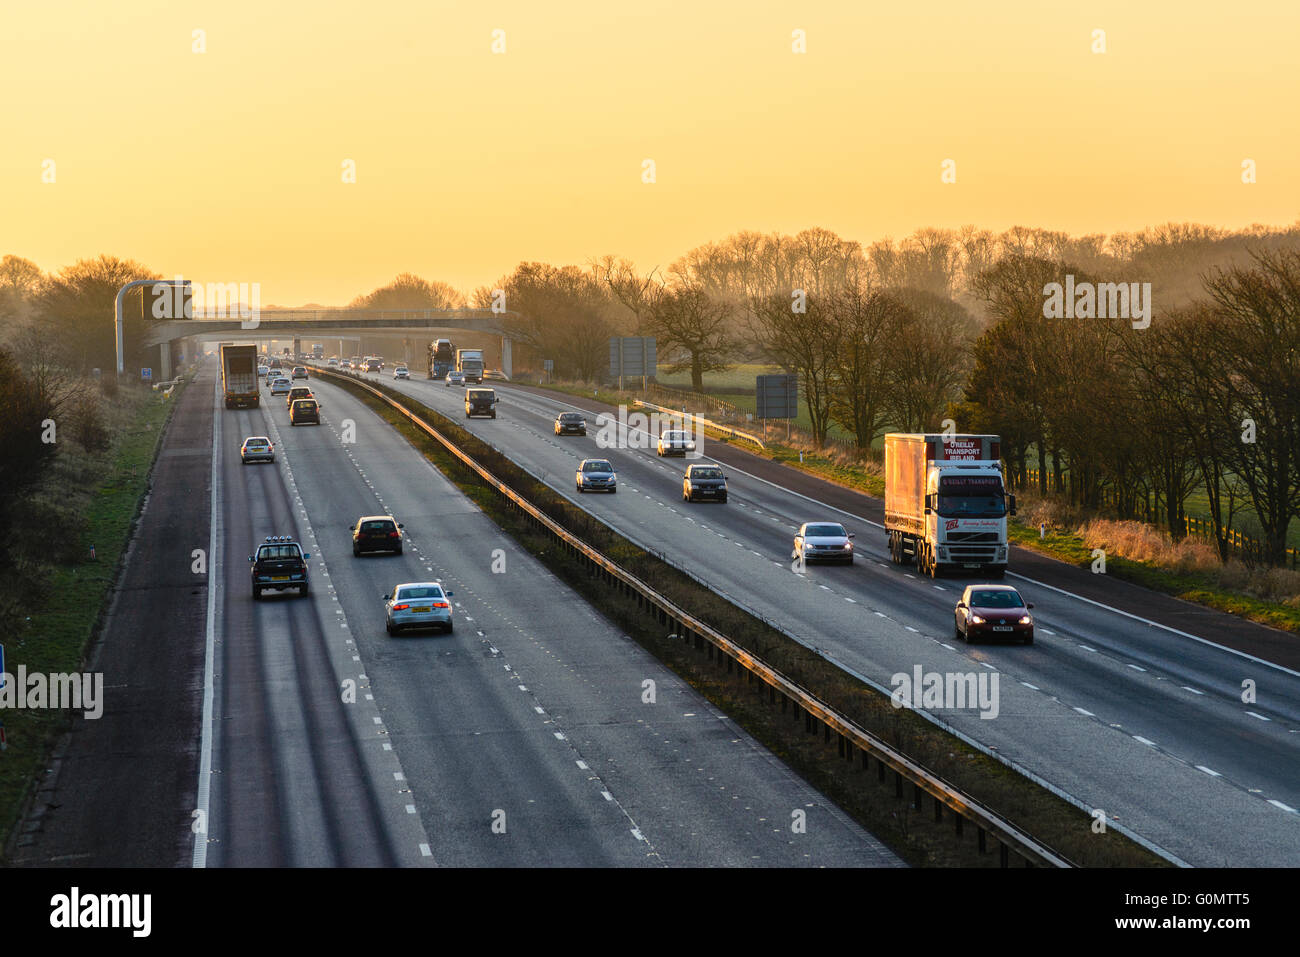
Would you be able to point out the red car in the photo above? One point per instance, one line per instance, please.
(993, 611)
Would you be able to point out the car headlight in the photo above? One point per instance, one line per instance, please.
(976, 620)
(1026, 620)
(848, 546)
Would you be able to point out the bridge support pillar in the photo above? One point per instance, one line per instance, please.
(297, 348)
(164, 362)
(507, 360)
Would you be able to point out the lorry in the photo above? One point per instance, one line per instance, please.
(318, 351)
(442, 358)
(946, 506)
(239, 375)
(469, 362)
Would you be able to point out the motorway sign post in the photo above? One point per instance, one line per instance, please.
(146, 374)
(121, 298)
(632, 356)
(777, 398)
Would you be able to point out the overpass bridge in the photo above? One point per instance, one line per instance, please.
(297, 324)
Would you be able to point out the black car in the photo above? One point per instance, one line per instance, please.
(704, 482)
(374, 365)
(280, 564)
(481, 402)
(377, 533)
(570, 423)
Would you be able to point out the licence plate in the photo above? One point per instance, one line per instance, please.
(424, 608)
(279, 578)
(970, 565)
(1003, 628)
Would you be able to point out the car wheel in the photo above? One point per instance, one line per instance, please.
(494, 415)
(399, 549)
(968, 637)
(257, 593)
(304, 591)
(356, 552)
(1030, 639)
(579, 487)
(614, 490)
(388, 627)
(956, 628)
(723, 500)
(451, 627)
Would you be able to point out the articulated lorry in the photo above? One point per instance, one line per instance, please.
(469, 362)
(945, 504)
(239, 375)
(442, 358)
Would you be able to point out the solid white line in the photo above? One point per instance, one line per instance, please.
(1146, 741)
(200, 856)
(1087, 713)
(1029, 686)
(1136, 668)
(1260, 716)
(1210, 771)
(1192, 690)
(1284, 807)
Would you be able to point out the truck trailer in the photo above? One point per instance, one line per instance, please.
(239, 375)
(946, 506)
(442, 358)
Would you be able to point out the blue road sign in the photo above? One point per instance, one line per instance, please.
(146, 373)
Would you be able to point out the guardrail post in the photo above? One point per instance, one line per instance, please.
(916, 796)
(983, 839)
(1004, 855)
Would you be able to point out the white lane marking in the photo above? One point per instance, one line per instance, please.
(911, 629)
(582, 765)
(855, 601)
(1136, 668)
(1029, 686)
(1086, 648)
(424, 851)
(1192, 690)
(1260, 716)
(1210, 771)
(399, 776)
(1085, 712)
(607, 796)
(1147, 741)
(559, 736)
(939, 587)
(1284, 807)
(1047, 631)
(200, 855)
(410, 809)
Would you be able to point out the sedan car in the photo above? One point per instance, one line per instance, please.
(823, 542)
(995, 611)
(570, 423)
(333, 362)
(262, 371)
(280, 386)
(401, 372)
(704, 482)
(596, 475)
(257, 448)
(299, 372)
(675, 443)
(455, 377)
(377, 533)
(418, 605)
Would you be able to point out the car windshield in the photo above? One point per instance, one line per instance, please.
(706, 473)
(597, 467)
(825, 531)
(377, 527)
(305, 405)
(254, 443)
(275, 552)
(996, 599)
(422, 591)
(675, 436)
(572, 417)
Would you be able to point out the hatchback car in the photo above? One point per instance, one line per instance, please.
(675, 443)
(823, 542)
(401, 372)
(418, 605)
(374, 365)
(280, 386)
(257, 448)
(596, 475)
(299, 372)
(570, 423)
(333, 362)
(262, 371)
(455, 377)
(377, 533)
(704, 482)
(295, 393)
(993, 611)
(304, 412)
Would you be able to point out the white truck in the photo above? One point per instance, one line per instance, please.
(469, 362)
(946, 506)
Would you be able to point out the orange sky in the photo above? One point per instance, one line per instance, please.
(225, 166)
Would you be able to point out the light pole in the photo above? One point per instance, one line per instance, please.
(121, 297)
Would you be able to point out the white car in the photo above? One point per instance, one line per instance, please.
(262, 371)
(455, 377)
(401, 372)
(418, 605)
(333, 363)
(280, 386)
(823, 542)
(675, 443)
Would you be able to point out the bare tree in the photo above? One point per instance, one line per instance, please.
(803, 343)
(689, 321)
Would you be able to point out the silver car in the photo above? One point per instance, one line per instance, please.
(823, 542)
(401, 372)
(418, 605)
(280, 386)
(596, 475)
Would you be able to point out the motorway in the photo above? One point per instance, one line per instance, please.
(1145, 724)
(521, 739)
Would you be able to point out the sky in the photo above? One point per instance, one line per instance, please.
(221, 155)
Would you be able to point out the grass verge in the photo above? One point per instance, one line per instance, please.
(877, 805)
(58, 631)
